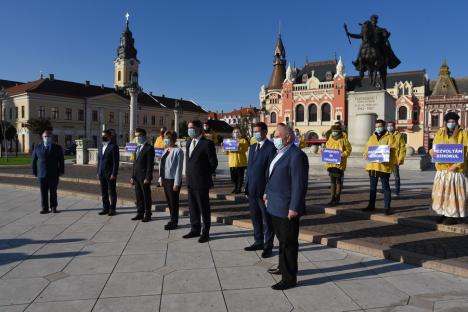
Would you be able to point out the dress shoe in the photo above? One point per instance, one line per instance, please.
(284, 285)
(388, 211)
(191, 235)
(137, 217)
(267, 253)
(112, 213)
(254, 247)
(204, 238)
(450, 221)
(146, 219)
(170, 226)
(274, 271)
(44, 211)
(104, 212)
(331, 202)
(54, 210)
(368, 208)
(441, 219)
(234, 191)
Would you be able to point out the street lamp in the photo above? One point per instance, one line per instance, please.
(177, 109)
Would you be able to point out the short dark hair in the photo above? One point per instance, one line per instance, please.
(197, 123)
(140, 130)
(47, 130)
(172, 135)
(261, 125)
(391, 122)
(282, 124)
(380, 121)
(107, 132)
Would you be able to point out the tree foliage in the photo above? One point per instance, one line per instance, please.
(39, 125)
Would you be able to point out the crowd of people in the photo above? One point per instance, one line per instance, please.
(276, 175)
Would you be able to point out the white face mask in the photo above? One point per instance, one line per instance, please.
(47, 140)
(140, 139)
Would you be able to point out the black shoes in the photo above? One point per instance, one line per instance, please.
(205, 237)
(450, 221)
(267, 253)
(54, 210)
(170, 226)
(44, 211)
(274, 271)
(112, 213)
(369, 208)
(146, 219)
(254, 247)
(388, 211)
(104, 212)
(191, 235)
(282, 285)
(137, 217)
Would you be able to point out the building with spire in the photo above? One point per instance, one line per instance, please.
(126, 64)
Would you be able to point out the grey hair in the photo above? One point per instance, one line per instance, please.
(289, 130)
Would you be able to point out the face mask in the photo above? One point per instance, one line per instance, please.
(47, 140)
(105, 139)
(379, 130)
(296, 134)
(167, 142)
(258, 136)
(191, 132)
(451, 125)
(140, 139)
(206, 128)
(278, 143)
(235, 135)
(335, 133)
(390, 129)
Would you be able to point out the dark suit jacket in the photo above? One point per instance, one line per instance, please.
(201, 165)
(108, 163)
(50, 164)
(144, 163)
(287, 184)
(257, 166)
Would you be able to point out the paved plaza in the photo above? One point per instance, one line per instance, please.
(79, 261)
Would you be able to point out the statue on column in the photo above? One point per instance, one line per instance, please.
(375, 53)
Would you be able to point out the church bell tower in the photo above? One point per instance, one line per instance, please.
(126, 64)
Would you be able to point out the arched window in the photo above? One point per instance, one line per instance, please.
(326, 112)
(312, 113)
(402, 113)
(273, 117)
(119, 74)
(435, 123)
(299, 113)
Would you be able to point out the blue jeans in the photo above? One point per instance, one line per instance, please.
(396, 174)
(385, 179)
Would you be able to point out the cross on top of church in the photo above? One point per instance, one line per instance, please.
(127, 16)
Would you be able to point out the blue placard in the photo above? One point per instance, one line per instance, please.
(130, 147)
(378, 153)
(231, 145)
(158, 152)
(331, 156)
(448, 153)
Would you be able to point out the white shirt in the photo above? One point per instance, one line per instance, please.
(278, 156)
(260, 144)
(104, 146)
(193, 144)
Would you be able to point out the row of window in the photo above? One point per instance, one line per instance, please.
(312, 113)
(23, 114)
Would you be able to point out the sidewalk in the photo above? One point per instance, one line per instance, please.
(79, 261)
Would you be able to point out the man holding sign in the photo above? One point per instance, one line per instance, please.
(449, 155)
(381, 159)
(334, 155)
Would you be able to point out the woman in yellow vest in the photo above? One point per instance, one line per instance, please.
(339, 142)
(238, 161)
(449, 188)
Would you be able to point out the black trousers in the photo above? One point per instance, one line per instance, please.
(287, 232)
(199, 207)
(261, 221)
(396, 174)
(172, 199)
(143, 197)
(373, 180)
(108, 189)
(48, 185)
(237, 177)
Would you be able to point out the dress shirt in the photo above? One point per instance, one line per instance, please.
(104, 146)
(193, 144)
(278, 156)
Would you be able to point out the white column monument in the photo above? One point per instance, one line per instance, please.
(134, 90)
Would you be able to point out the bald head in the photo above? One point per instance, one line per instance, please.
(285, 133)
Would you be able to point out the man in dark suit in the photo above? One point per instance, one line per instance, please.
(48, 164)
(143, 175)
(284, 198)
(107, 170)
(260, 156)
(201, 164)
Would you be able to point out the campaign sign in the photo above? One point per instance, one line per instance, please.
(448, 153)
(130, 148)
(378, 153)
(231, 145)
(331, 156)
(158, 152)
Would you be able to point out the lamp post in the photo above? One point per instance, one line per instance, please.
(4, 147)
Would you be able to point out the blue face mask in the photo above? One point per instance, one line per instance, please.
(140, 139)
(191, 132)
(451, 125)
(47, 140)
(379, 130)
(278, 143)
(167, 142)
(258, 136)
(390, 129)
(335, 133)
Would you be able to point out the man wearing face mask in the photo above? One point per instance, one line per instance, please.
(400, 151)
(284, 198)
(142, 175)
(449, 188)
(260, 156)
(107, 170)
(380, 170)
(48, 164)
(201, 164)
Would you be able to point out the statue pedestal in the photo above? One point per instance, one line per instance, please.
(82, 156)
(364, 108)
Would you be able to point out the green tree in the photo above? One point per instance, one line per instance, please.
(39, 125)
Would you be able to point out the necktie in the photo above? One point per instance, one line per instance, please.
(138, 150)
(257, 149)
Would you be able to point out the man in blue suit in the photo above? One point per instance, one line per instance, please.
(284, 198)
(107, 170)
(47, 165)
(260, 156)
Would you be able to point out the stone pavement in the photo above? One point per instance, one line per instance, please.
(79, 261)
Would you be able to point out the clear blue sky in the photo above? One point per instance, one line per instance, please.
(218, 52)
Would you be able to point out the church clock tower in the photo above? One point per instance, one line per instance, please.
(126, 64)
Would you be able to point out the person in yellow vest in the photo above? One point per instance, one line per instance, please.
(298, 139)
(160, 139)
(400, 151)
(210, 134)
(253, 141)
(449, 188)
(238, 161)
(336, 171)
(380, 170)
